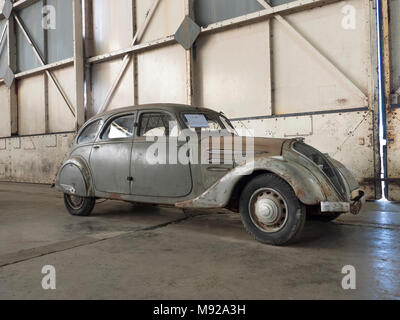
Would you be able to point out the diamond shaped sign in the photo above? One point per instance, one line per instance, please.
(187, 33)
(5, 8)
(9, 77)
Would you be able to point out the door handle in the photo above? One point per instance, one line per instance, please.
(96, 147)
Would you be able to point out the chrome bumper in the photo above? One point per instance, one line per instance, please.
(355, 206)
(340, 207)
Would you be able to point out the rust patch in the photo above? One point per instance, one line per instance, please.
(114, 196)
(185, 204)
(300, 193)
(342, 101)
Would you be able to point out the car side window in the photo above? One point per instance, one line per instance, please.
(158, 125)
(120, 128)
(89, 134)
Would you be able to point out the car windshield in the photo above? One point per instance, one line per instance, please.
(208, 123)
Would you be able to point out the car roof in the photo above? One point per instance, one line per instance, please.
(160, 106)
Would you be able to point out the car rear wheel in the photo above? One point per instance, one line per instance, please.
(270, 210)
(79, 206)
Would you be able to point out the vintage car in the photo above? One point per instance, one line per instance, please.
(273, 189)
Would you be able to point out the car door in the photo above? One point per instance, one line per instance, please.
(158, 176)
(111, 155)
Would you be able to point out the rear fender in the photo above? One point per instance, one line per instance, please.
(347, 175)
(74, 178)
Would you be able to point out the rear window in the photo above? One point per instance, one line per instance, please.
(89, 134)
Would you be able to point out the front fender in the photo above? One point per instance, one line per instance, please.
(347, 175)
(307, 188)
(74, 178)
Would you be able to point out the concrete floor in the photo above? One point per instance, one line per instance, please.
(142, 252)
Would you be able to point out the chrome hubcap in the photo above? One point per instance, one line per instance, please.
(75, 202)
(268, 210)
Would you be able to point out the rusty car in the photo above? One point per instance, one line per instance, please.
(274, 190)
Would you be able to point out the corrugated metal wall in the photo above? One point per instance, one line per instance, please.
(293, 69)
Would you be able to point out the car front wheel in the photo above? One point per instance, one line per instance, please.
(270, 210)
(79, 206)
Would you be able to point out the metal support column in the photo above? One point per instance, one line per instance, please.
(389, 134)
(88, 47)
(79, 63)
(12, 64)
(189, 11)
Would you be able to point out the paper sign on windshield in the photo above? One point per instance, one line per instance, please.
(197, 121)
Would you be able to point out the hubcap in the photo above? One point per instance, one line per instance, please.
(75, 202)
(268, 210)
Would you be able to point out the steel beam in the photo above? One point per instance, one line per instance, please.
(189, 11)
(79, 63)
(21, 4)
(12, 64)
(133, 49)
(269, 75)
(46, 80)
(389, 113)
(2, 37)
(374, 97)
(134, 56)
(3, 34)
(88, 47)
(386, 52)
(51, 66)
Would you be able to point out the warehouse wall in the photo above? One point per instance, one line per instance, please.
(34, 159)
(294, 70)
